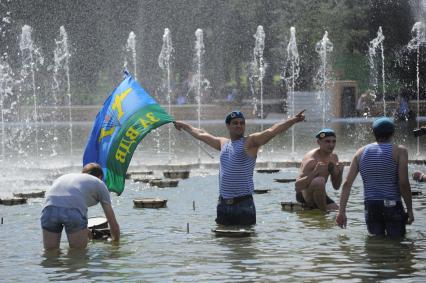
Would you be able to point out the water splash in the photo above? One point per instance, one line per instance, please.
(290, 75)
(6, 92)
(257, 71)
(375, 44)
(323, 47)
(131, 49)
(164, 61)
(31, 59)
(418, 39)
(61, 72)
(198, 77)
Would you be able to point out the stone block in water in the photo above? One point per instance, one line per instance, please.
(164, 183)
(176, 174)
(139, 174)
(145, 179)
(267, 171)
(293, 206)
(13, 201)
(284, 180)
(34, 194)
(230, 232)
(261, 191)
(150, 203)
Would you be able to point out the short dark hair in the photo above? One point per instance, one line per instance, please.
(93, 169)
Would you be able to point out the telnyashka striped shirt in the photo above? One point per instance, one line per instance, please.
(379, 173)
(236, 170)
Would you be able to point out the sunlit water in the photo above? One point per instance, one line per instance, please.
(156, 247)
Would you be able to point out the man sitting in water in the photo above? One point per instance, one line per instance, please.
(384, 171)
(317, 165)
(237, 161)
(66, 206)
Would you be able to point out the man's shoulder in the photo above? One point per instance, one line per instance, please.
(310, 154)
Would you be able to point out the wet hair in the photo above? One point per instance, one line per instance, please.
(383, 128)
(93, 169)
(233, 115)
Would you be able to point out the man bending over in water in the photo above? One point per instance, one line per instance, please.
(317, 165)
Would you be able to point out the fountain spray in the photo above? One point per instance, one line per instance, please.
(164, 60)
(131, 48)
(61, 58)
(257, 70)
(323, 47)
(30, 55)
(377, 43)
(199, 52)
(419, 38)
(291, 73)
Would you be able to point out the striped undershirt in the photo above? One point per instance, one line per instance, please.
(236, 170)
(379, 173)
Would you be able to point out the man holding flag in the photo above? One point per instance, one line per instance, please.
(237, 160)
(126, 117)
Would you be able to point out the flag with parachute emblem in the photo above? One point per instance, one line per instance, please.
(126, 117)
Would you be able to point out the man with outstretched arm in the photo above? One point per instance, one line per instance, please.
(317, 165)
(237, 162)
(384, 171)
(66, 206)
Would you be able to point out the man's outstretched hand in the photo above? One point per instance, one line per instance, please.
(300, 116)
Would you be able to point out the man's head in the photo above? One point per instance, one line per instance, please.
(93, 169)
(383, 129)
(326, 139)
(235, 122)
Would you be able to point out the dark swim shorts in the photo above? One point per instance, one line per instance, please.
(385, 218)
(299, 198)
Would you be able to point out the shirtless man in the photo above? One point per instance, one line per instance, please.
(317, 165)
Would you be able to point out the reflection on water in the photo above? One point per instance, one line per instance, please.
(389, 258)
(155, 245)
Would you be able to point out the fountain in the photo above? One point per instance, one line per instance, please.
(257, 72)
(377, 43)
(198, 77)
(62, 69)
(98, 53)
(131, 49)
(419, 38)
(30, 56)
(164, 60)
(6, 85)
(323, 47)
(290, 74)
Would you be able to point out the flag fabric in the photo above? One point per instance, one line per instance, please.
(126, 117)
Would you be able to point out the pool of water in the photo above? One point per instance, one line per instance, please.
(156, 246)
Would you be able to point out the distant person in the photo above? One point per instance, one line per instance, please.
(66, 206)
(237, 162)
(317, 165)
(365, 103)
(181, 100)
(403, 111)
(384, 171)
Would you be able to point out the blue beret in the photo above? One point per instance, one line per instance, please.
(383, 126)
(233, 115)
(325, 133)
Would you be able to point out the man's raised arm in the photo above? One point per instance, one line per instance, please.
(201, 135)
(256, 140)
